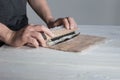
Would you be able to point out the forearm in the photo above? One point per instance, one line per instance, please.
(42, 9)
(5, 33)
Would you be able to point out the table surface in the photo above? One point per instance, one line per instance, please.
(100, 62)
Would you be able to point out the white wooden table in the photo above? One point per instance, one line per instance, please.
(101, 62)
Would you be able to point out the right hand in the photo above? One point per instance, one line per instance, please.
(30, 35)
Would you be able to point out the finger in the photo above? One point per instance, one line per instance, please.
(29, 44)
(33, 42)
(39, 38)
(58, 22)
(72, 23)
(66, 23)
(45, 30)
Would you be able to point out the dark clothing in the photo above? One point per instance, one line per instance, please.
(13, 13)
(1, 43)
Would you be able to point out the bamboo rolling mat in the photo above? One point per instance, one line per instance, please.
(78, 44)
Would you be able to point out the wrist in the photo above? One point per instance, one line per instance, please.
(5, 34)
(49, 20)
(9, 37)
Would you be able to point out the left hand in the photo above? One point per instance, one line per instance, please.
(67, 22)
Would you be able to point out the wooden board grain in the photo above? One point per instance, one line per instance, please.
(78, 44)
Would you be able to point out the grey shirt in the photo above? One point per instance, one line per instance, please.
(13, 13)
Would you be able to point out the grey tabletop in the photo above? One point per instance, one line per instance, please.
(100, 62)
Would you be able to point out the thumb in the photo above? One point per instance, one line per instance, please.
(58, 22)
(55, 23)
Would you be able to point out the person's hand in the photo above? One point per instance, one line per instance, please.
(30, 35)
(67, 22)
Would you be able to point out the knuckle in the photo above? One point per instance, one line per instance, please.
(29, 28)
(43, 28)
(64, 19)
(70, 18)
(25, 37)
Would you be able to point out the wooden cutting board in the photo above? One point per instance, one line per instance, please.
(78, 44)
